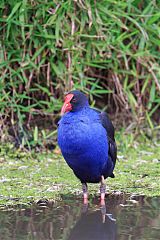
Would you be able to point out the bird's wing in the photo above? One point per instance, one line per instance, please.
(107, 124)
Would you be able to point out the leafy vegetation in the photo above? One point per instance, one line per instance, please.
(105, 48)
(26, 177)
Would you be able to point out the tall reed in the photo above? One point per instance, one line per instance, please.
(108, 48)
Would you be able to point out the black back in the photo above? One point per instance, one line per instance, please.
(107, 124)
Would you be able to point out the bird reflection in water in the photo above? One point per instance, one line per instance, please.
(94, 225)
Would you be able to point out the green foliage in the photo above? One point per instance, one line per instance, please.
(102, 47)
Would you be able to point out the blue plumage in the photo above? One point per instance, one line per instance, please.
(84, 143)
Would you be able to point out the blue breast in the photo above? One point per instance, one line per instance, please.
(84, 145)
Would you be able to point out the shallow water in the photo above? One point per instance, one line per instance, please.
(122, 218)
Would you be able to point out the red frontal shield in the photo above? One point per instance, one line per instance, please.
(67, 105)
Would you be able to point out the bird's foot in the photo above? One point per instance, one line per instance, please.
(103, 210)
(85, 204)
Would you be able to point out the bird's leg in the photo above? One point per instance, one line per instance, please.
(102, 189)
(85, 193)
(103, 210)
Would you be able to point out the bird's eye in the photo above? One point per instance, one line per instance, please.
(73, 100)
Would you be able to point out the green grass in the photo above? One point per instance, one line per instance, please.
(138, 168)
(25, 178)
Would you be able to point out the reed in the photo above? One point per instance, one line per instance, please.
(105, 48)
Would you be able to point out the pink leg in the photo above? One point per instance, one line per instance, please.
(102, 189)
(103, 210)
(85, 193)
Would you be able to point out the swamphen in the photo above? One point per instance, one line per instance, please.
(86, 140)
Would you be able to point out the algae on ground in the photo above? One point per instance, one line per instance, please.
(26, 177)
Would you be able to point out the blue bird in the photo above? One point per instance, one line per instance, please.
(86, 139)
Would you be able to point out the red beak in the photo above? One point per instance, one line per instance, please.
(67, 105)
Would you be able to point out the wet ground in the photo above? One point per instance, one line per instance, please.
(122, 218)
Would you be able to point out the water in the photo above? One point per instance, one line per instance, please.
(122, 218)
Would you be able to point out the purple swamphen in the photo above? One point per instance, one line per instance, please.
(86, 140)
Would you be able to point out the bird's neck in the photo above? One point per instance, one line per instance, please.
(86, 114)
(80, 107)
(81, 110)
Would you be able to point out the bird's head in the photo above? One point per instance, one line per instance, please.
(74, 101)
